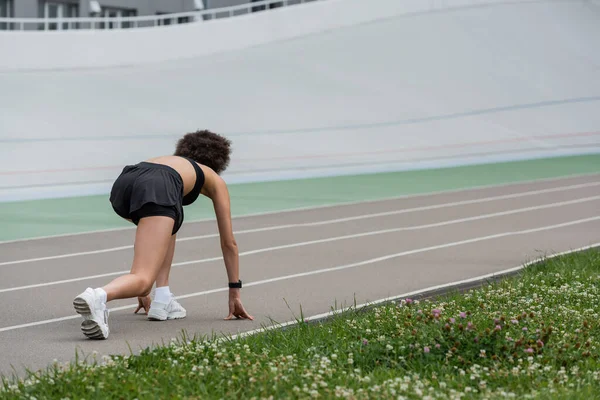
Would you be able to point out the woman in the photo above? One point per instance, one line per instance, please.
(151, 194)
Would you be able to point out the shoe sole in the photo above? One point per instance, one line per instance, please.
(89, 327)
(92, 330)
(82, 307)
(175, 315)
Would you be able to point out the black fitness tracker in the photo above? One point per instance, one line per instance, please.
(235, 285)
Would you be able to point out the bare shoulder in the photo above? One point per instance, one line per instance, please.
(213, 183)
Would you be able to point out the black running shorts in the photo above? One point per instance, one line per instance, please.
(148, 189)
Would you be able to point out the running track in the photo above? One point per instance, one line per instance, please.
(313, 258)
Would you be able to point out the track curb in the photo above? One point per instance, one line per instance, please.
(429, 293)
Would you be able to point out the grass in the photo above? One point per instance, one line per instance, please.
(534, 336)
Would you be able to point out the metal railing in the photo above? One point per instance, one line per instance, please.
(93, 23)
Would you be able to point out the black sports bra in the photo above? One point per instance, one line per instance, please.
(195, 192)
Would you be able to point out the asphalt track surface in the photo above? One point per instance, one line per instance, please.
(314, 259)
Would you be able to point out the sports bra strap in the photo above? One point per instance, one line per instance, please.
(195, 192)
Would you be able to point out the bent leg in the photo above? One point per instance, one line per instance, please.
(152, 242)
(165, 306)
(162, 279)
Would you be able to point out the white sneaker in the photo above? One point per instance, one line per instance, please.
(94, 313)
(161, 311)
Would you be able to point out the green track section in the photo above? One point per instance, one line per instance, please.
(27, 219)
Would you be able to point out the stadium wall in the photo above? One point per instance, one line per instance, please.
(329, 87)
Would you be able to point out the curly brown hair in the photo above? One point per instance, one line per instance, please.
(206, 148)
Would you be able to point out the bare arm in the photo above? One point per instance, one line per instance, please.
(222, 206)
(216, 189)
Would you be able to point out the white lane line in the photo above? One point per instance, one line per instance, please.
(333, 269)
(325, 240)
(331, 205)
(409, 294)
(326, 222)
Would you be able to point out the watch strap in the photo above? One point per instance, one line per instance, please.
(235, 285)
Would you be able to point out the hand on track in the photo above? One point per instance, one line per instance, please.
(143, 302)
(236, 309)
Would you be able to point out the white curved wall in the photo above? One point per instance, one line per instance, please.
(360, 87)
(103, 48)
